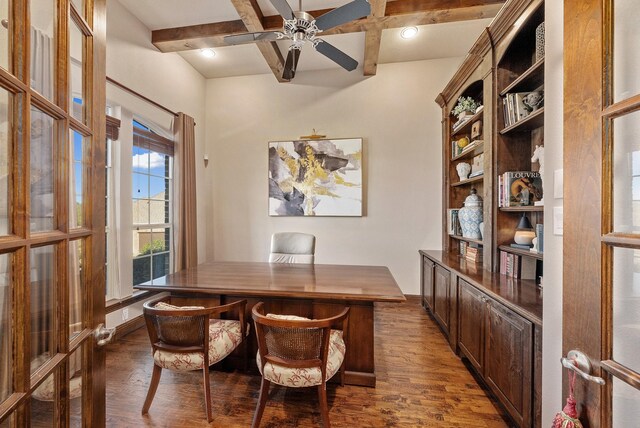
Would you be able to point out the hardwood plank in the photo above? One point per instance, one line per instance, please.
(398, 14)
(420, 383)
(252, 17)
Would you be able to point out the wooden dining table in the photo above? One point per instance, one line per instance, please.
(309, 290)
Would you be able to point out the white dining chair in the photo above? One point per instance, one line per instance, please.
(292, 247)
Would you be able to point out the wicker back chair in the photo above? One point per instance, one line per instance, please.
(299, 352)
(191, 338)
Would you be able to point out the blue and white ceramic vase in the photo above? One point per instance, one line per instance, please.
(470, 216)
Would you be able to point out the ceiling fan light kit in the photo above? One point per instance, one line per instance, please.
(409, 32)
(301, 28)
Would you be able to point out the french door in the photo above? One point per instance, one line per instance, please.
(52, 132)
(601, 297)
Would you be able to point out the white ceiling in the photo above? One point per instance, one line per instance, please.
(433, 41)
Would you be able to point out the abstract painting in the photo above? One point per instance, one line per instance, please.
(315, 177)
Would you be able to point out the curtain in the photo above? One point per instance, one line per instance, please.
(5, 329)
(186, 238)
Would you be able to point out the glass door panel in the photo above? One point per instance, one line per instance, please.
(78, 148)
(6, 330)
(42, 291)
(626, 405)
(75, 388)
(43, 403)
(626, 307)
(76, 287)
(76, 74)
(43, 47)
(5, 35)
(626, 55)
(42, 177)
(626, 173)
(5, 160)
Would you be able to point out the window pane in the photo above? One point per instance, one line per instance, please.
(160, 265)
(161, 240)
(626, 173)
(76, 66)
(626, 405)
(42, 404)
(158, 213)
(75, 388)
(42, 171)
(76, 286)
(140, 159)
(141, 211)
(626, 57)
(140, 184)
(159, 164)
(5, 164)
(77, 148)
(141, 270)
(626, 307)
(42, 305)
(42, 46)
(142, 242)
(158, 187)
(5, 45)
(6, 337)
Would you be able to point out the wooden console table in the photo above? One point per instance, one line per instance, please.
(313, 291)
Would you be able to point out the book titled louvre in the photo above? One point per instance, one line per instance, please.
(519, 188)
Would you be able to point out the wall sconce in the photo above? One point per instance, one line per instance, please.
(524, 232)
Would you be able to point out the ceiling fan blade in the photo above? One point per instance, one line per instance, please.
(336, 55)
(283, 8)
(291, 64)
(343, 14)
(239, 39)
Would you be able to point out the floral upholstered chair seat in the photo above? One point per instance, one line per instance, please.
(303, 377)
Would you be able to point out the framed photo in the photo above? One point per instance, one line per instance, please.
(315, 177)
(476, 129)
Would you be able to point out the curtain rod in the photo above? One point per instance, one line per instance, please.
(137, 94)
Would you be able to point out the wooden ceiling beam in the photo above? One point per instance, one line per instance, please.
(252, 17)
(398, 13)
(372, 38)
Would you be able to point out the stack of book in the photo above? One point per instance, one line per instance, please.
(453, 223)
(473, 253)
(514, 109)
(516, 266)
(519, 188)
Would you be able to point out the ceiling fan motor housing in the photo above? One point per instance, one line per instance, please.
(301, 29)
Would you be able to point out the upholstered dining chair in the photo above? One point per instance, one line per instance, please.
(292, 247)
(191, 338)
(299, 352)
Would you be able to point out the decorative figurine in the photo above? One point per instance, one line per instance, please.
(463, 169)
(538, 156)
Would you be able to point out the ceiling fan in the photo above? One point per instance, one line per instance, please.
(300, 28)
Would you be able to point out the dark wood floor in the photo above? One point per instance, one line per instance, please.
(421, 383)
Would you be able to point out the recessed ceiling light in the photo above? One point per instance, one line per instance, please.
(208, 53)
(408, 32)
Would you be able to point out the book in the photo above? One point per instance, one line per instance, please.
(521, 246)
(540, 236)
(453, 223)
(521, 188)
(528, 266)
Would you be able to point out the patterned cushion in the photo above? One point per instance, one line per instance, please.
(297, 377)
(287, 317)
(167, 306)
(224, 337)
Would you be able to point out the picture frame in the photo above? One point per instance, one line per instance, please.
(476, 129)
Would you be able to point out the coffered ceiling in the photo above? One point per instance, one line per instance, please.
(447, 28)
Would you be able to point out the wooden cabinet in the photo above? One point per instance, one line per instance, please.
(471, 320)
(499, 344)
(442, 280)
(426, 288)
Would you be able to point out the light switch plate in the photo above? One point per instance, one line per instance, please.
(558, 183)
(557, 220)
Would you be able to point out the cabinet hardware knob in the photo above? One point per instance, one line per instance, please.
(579, 363)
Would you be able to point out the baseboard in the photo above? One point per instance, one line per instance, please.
(128, 327)
(413, 298)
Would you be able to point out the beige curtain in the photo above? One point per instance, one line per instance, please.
(185, 232)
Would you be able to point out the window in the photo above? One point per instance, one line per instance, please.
(152, 162)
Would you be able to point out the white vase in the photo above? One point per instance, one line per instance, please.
(470, 216)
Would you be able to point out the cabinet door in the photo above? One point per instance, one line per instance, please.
(441, 297)
(427, 283)
(508, 361)
(471, 321)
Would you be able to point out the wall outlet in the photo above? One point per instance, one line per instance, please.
(125, 314)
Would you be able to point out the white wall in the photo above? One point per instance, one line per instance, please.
(396, 115)
(552, 295)
(166, 79)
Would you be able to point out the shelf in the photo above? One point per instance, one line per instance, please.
(475, 149)
(462, 238)
(521, 252)
(468, 180)
(531, 79)
(533, 121)
(467, 125)
(529, 208)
